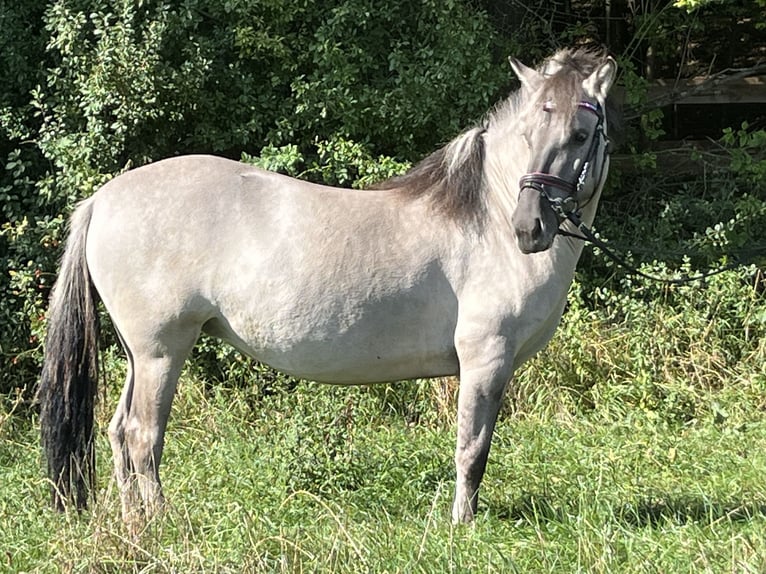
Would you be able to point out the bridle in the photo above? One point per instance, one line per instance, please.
(538, 181)
(567, 207)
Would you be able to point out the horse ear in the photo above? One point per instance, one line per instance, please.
(529, 78)
(599, 82)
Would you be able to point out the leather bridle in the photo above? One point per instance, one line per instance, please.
(539, 181)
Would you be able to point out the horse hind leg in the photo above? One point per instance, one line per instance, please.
(123, 468)
(137, 430)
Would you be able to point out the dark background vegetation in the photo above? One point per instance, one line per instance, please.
(351, 91)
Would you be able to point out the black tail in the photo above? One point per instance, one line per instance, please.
(70, 372)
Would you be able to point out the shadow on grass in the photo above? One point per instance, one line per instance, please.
(652, 511)
(533, 508)
(683, 509)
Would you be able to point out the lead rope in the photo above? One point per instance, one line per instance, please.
(588, 235)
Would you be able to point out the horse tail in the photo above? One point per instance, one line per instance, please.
(70, 372)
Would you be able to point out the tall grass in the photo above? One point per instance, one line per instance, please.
(562, 493)
(670, 353)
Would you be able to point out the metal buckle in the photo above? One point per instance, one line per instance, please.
(562, 206)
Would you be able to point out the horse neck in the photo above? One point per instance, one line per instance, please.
(506, 161)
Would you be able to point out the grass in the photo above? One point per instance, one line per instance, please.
(322, 479)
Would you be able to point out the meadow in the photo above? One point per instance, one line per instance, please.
(632, 444)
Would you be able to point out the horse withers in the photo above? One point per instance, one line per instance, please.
(455, 268)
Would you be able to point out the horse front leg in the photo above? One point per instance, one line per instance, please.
(481, 393)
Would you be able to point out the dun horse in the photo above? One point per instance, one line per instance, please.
(455, 268)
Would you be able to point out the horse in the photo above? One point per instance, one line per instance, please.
(460, 266)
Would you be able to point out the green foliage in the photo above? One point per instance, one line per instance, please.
(22, 45)
(375, 73)
(338, 162)
(285, 159)
(692, 5)
(661, 350)
(748, 161)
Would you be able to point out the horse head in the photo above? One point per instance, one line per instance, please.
(564, 127)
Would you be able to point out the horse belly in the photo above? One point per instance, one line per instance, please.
(388, 341)
(324, 362)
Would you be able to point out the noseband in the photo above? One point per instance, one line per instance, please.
(538, 181)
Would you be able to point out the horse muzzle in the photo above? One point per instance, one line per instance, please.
(535, 224)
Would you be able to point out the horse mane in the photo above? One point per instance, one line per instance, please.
(452, 177)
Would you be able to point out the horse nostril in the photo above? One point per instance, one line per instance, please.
(537, 230)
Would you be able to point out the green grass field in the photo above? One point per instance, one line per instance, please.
(323, 479)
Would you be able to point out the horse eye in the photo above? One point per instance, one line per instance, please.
(581, 137)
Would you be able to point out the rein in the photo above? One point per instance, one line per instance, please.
(568, 208)
(589, 236)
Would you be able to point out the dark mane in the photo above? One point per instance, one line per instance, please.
(453, 176)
